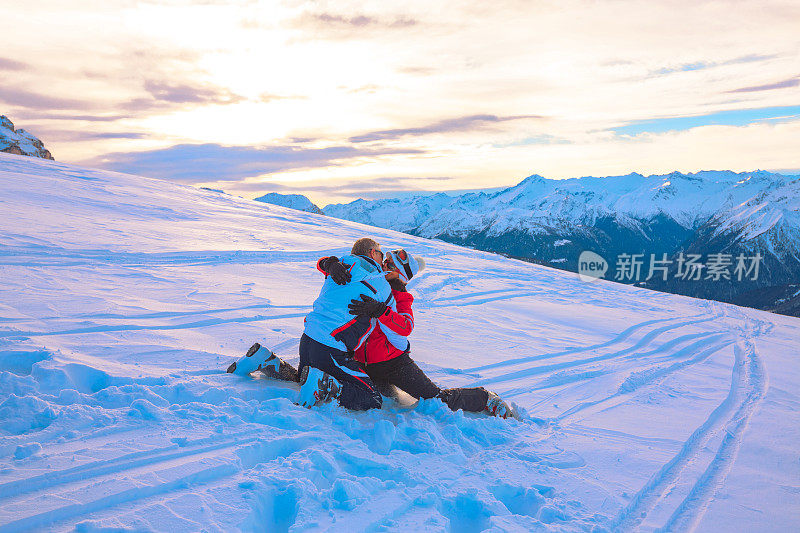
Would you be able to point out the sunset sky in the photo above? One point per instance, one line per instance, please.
(339, 100)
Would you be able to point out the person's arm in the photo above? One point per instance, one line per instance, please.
(324, 261)
(402, 321)
(338, 271)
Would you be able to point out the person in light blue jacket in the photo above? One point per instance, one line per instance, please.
(327, 367)
(330, 321)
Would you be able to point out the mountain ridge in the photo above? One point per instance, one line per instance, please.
(627, 214)
(293, 201)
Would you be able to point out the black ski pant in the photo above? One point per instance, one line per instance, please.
(403, 373)
(358, 390)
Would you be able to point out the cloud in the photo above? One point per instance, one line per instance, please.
(34, 100)
(181, 93)
(201, 163)
(119, 135)
(161, 95)
(617, 62)
(136, 106)
(369, 188)
(361, 21)
(334, 26)
(417, 70)
(344, 188)
(165, 96)
(582, 62)
(466, 123)
(10, 64)
(369, 89)
(791, 82)
(62, 135)
(686, 67)
(267, 97)
(535, 139)
(701, 65)
(46, 115)
(735, 117)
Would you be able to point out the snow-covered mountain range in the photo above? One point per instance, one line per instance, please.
(293, 201)
(540, 206)
(553, 221)
(123, 299)
(19, 141)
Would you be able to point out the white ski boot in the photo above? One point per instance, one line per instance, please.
(317, 387)
(260, 358)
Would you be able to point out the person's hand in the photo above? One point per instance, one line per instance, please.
(336, 270)
(397, 284)
(339, 273)
(367, 306)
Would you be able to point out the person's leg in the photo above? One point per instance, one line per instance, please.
(277, 368)
(403, 373)
(406, 375)
(471, 399)
(381, 373)
(358, 391)
(381, 385)
(305, 356)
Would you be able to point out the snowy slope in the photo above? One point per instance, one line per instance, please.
(123, 298)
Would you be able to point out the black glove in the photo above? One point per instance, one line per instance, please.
(397, 285)
(336, 270)
(367, 306)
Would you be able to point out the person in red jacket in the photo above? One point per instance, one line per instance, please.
(386, 355)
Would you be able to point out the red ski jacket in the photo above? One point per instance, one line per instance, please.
(377, 347)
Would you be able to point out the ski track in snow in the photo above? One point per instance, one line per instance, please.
(138, 327)
(730, 417)
(117, 413)
(540, 369)
(616, 340)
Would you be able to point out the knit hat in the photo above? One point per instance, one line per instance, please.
(408, 265)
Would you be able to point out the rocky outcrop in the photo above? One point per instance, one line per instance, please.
(20, 142)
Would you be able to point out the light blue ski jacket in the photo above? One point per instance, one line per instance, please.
(330, 321)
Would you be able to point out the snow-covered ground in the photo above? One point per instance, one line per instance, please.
(122, 300)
